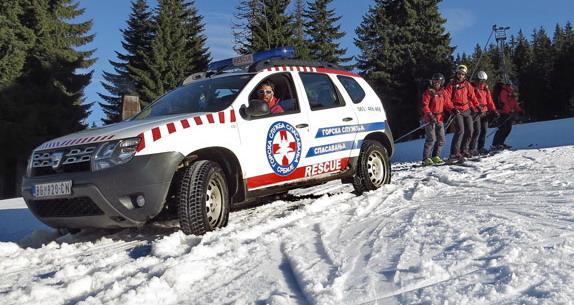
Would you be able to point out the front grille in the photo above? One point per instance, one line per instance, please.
(65, 207)
(63, 160)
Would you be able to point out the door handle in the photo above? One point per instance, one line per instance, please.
(304, 125)
(347, 119)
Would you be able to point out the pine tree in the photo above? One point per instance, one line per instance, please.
(177, 49)
(323, 33)
(52, 97)
(537, 89)
(300, 44)
(482, 62)
(16, 41)
(522, 60)
(137, 40)
(247, 11)
(402, 43)
(266, 26)
(48, 96)
(563, 71)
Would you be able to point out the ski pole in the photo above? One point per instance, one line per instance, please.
(402, 137)
(449, 121)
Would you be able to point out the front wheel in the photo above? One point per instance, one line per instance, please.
(203, 198)
(373, 167)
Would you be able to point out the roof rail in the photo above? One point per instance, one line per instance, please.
(279, 62)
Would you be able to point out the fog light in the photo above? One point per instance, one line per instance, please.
(140, 201)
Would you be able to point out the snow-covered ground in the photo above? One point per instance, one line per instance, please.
(498, 231)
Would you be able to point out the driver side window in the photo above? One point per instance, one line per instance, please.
(278, 92)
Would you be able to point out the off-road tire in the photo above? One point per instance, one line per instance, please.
(373, 167)
(203, 198)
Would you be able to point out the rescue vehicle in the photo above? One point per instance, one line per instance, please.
(212, 144)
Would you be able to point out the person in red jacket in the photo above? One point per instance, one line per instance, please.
(434, 102)
(266, 93)
(508, 108)
(485, 105)
(462, 96)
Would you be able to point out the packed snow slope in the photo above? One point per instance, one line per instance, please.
(495, 231)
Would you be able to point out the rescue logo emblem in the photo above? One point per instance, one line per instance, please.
(283, 148)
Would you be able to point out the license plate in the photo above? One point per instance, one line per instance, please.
(52, 189)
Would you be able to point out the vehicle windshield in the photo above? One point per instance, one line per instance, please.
(207, 95)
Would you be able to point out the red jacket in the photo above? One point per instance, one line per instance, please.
(483, 96)
(508, 100)
(274, 106)
(435, 102)
(461, 95)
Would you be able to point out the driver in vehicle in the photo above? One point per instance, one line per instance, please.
(266, 93)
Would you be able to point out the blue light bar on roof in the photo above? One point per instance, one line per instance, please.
(245, 60)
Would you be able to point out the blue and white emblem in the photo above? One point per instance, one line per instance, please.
(283, 148)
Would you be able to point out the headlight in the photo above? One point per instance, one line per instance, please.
(114, 153)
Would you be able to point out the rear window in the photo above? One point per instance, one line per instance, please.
(320, 91)
(353, 88)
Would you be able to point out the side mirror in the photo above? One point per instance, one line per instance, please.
(257, 108)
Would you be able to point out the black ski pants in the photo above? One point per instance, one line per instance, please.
(503, 130)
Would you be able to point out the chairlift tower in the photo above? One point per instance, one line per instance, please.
(500, 35)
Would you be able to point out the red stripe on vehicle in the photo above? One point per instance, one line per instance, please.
(232, 116)
(197, 120)
(210, 118)
(142, 142)
(171, 128)
(338, 72)
(185, 123)
(268, 179)
(156, 134)
(221, 117)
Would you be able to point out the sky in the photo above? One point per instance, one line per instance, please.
(469, 23)
(497, 230)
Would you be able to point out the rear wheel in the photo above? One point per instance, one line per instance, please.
(203, 198)
(373, 167)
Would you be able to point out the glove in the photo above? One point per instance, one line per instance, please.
(432, 118)
(455, 111)
(495, 114)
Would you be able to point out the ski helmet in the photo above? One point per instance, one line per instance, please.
(439, 77)
(462, 69)
(482, 75)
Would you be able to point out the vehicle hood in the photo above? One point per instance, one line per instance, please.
(121, 130)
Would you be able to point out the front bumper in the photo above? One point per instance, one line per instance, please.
(106, 198)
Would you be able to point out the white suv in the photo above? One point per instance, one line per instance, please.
(212, 144)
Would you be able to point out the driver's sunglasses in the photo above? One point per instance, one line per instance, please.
(262, 91)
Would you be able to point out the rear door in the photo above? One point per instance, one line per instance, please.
(332, 125)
